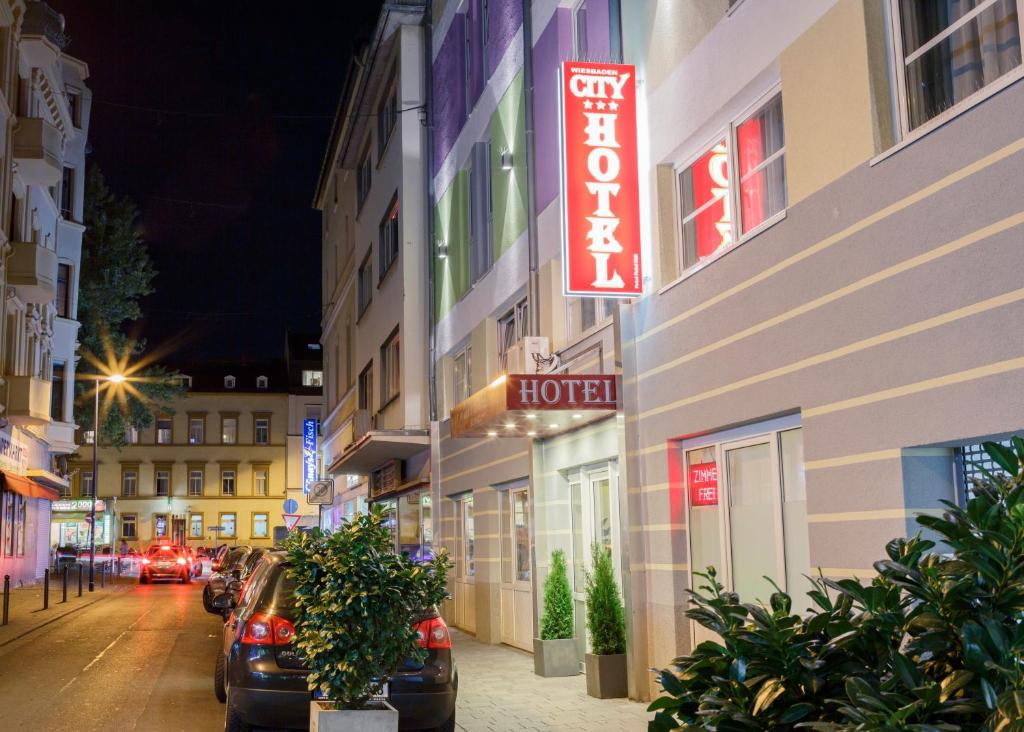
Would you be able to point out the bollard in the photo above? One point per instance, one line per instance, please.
(7, 597)
(64, 585)
(103, 576)
(79, 580)
(46, 588)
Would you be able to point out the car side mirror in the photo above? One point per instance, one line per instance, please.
(236, 573)
(235, 586)
(223, 602)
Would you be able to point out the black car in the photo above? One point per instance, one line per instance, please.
(261, 677)
(231, 565)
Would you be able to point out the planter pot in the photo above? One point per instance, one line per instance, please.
(606, 676)
(377, 717)
(555, 657)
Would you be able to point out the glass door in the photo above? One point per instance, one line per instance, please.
(465, 567)
(516, 590)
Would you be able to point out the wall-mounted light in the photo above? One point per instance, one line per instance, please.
(442, 250)
(506, 160)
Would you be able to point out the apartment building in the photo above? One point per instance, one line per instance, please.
(45, 108)
(304, 364)
(376, 430)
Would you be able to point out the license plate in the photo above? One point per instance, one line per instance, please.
(382, 696)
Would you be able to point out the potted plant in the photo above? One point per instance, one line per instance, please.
(355, 604)
(554, 653)
(606, 664)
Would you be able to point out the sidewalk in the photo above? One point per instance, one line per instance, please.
(26, 612)
(499, 691)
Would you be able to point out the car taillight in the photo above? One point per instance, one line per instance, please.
(145, 560)
(433, 633)
(181, 560)
(268, 630)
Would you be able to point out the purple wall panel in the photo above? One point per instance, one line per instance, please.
(553, 47)
(503, 20)
(449, 92)
(598, 31)
(477, 77)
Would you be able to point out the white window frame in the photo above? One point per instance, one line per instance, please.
(229, 475)
(192, 422)
(389, 232)
(223, 423)
(158, 473)
(129, 519)
(134, 483)
(574, 315)
(229, 382)
(262, 382)
(266, 527)
(261, 482)
(193, 473)
(87, 479)
(160, 430)
(364, 165)
(261, 424)
(727, 133)
(191, 525)
(458, 395)
(364, 281)
(313, 378)
(391, 368)
(579, 6)
(518, 315)
(904, 134)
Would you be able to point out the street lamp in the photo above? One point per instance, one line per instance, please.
(115, 379)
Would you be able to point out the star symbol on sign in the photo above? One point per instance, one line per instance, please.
(600, 105)
(613, 106)
(588, 104)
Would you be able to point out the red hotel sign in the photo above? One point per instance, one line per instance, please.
(703, 480)
(560, 391)
(600, 196)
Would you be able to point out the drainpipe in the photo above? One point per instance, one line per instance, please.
(533, 281)
(428, 123)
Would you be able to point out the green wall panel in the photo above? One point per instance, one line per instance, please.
(451, 222)
(508, 187)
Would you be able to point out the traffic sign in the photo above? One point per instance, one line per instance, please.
(321, 493)
(291, 519)
(290, 505)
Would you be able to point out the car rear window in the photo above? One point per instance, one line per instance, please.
(168, 550)
(284, 589)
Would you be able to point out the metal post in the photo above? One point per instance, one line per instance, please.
(64, 585)
(46, 588)
(79, 580)
(7, 597)
(103, 575)
(95, 493)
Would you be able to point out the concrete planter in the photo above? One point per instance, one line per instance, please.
(555, 657)
(606, 676)
(378, 717)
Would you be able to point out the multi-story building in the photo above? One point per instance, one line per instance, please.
(375, 296)
(45, 108)
(830, 236)
(304, 363)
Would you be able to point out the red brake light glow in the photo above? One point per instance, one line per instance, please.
(433, 633)
(145, 560)
(181, 560)
(268, 630)
(165, 548)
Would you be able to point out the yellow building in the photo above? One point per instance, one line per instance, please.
(211, 470)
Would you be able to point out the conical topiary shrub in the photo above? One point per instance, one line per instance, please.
(556, 622)
(605, 618)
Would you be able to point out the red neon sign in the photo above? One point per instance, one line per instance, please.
(703, 480)
(600, 195)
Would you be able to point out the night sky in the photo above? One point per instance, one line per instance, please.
(214, 116)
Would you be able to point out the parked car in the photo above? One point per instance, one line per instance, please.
(262, 679)
(64, 556)
(165, 562)
(217, 557)
(231, 565)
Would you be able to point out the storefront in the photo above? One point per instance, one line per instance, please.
(407, 506)
(69, 523)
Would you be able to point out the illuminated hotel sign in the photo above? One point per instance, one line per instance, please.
(703, 479)
(600, 196)
(560, 391)
(309, 453)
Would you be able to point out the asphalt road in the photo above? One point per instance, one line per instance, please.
(141, 660)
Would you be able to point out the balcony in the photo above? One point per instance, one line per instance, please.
(28, 400)
(38, 151)
(32, 269)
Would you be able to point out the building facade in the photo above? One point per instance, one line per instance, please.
(45, 107)
(830, 238)
(305, 402)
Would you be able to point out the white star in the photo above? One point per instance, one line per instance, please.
(600, 105)
(588, 104)
(613, 106)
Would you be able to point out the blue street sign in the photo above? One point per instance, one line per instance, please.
(291, 505)
(309, 453)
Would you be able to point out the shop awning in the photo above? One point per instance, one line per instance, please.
(378, 447)
(535, 405)
(28, 487)
(50, 480)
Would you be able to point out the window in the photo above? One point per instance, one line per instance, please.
(57, 392)
(228, 525)
(515, 536)
(64, 290)
(131, 435)
(313, 378)
(227, 482)
(129, 525)
(229, 382)
(164, 431)
(588, 312)
(511, 328)
(195, 482)
(262, 382)
(195, 526)
(196, 430)
(390, 369)
(461, 365)
(86, 485)
(260, 525)
(129, 483)
(75, 105)
(363, 178)
(709, 195)
(229, 430)
(67, 190)
(259, 482)
(579, 31)
(947, 51)
(65, 491)
(387, 117)
(163, 482)
(468, 537)
(261, 430)
(365, 292)
(159, 525)
(88, 437)
(475, 57)
(366, 387)
(481, 251)
(389, 234)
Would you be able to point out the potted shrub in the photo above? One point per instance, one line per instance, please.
(606, 664)
(554, 653)
(355, 601)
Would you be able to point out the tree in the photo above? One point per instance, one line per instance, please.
(556, 622)
(116, 272)
(605, 617)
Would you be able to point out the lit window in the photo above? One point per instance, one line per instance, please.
(229, 430)
(196, 428)
(131, 435)
(87, 487)
(260, 484)
(389, 237)
(159, 525)
(313, 378)
(511, 328)
(195, 526)
(260, 525)
(164, 431)
(229, 382)
(390, 369)
(129, 483)
(163, 482)
(195, 482)
(88, 437)
(262, 382)
(228, 525)
(460, 376)
(227, 482)
(129, 524)
(261, 431)
(366, 387)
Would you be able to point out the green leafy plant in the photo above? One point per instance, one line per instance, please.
(605, 617)
(556, 622)
(934, 642)
(356, 603)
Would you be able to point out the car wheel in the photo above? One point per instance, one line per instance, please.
(233, 722)
(449, 725)
(206, 600)
(186, 580)
(218, 679)
(143, 579)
